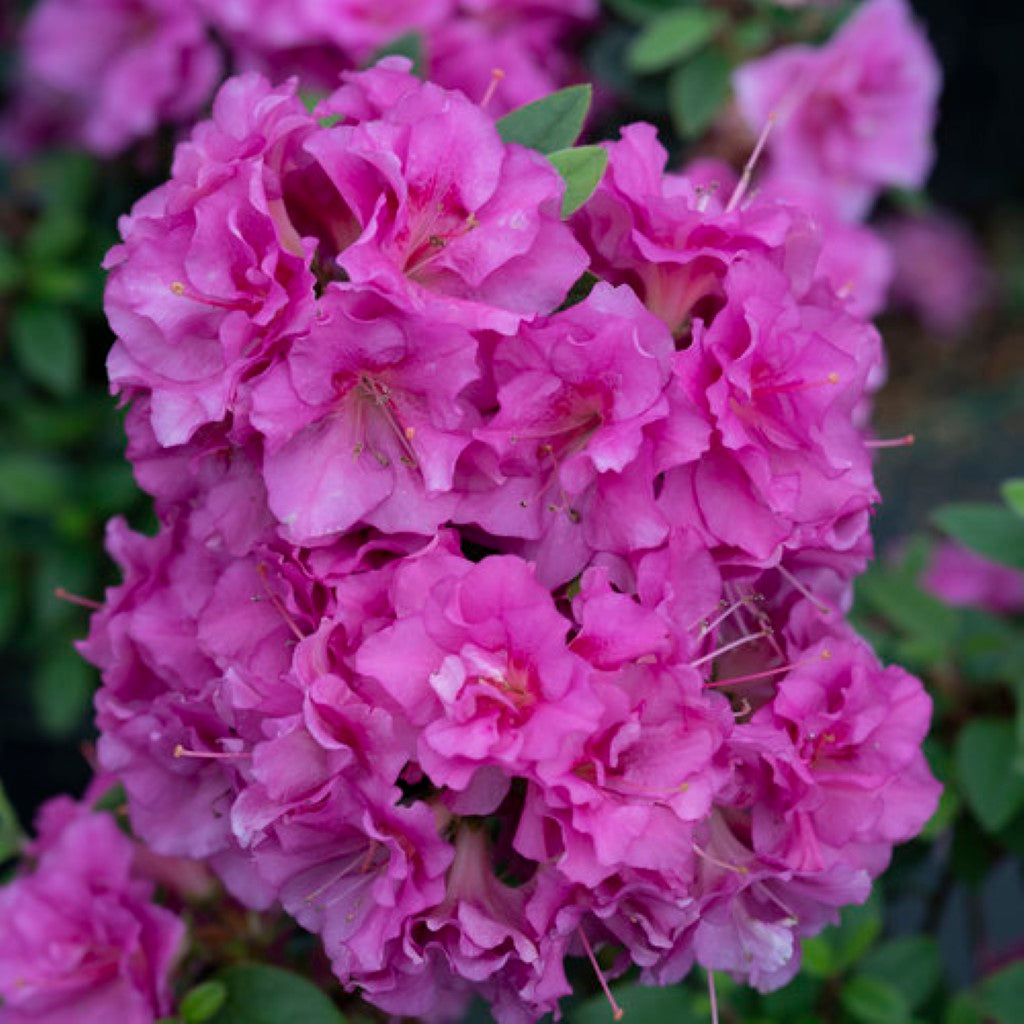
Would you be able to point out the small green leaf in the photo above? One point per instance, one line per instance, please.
(61, 689)
(1002, 994)
(640, 1003)
(48, 347)
(991, 530)
(697, 91)
(261, 994)
(199, 1005)
(673, 37)
(912, 965)
(1013, 495)
(11, 835)
(548, 124)
(984, 755)
(872, 1001)
(817, 958)
(582, 168)
(409, 45)
(577, 293)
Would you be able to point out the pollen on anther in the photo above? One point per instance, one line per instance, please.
(178, 287)
(410, 433)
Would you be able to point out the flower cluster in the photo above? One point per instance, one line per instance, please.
(104, 74)
(486, 627)
(81, 938)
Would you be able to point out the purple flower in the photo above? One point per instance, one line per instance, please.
(962, 577)
(82, 939)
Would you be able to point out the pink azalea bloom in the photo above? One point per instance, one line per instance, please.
(108, 72)
(855, 115)
(962, 577)
(82, 939)
(482, 670)
(672, 237)
(941, 276)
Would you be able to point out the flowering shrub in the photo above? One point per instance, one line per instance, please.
(510, 497)
(480, 632)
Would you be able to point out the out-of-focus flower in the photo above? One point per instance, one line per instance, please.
(962, 577)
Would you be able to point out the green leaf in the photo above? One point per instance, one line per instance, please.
(984, 755)
(61, 690)
(639, 11)
(55, 236)
(1013, 495)
(697, 91)
(261, 994)
(11, 835)
(29, 484)
(577, 293)
(912, 965)
(199, 1005)
(1002, 994)
(817, 959)
(963, 1008)
(582, 168)
(48, 347)
(991, 530)
(641, 1005)
(548, 124)
(872, 1001)
(673, 37)
(409, 45)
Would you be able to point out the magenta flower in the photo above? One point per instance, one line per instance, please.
(106, 73)
(855, 115)
(962, 577)
(82, 939)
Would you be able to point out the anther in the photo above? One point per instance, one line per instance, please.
(261, 571)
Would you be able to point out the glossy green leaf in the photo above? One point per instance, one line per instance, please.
(873, 1001)
(202, 1002)
(640, 11)
(641, 1005)
(48, 346)
(697, 91)
(912, 965)
(992, 530)
(984, 755)
(582, 168)
(548, 124)
(673, 37)
(261, 994)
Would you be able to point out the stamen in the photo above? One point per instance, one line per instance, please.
(617, 1011)
(497, 74)
(713, 996)
(382, 400)
(261, 571)
(706, 627)
(86, 602)
(895, 442)
(724, 865)
(766, 632)
(748, 171)
(346, 869)
(800, 588)
(796, 385)
(825, 655)
(213, 755)
(178, 287)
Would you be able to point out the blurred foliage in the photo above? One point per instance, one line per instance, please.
(62, 470)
